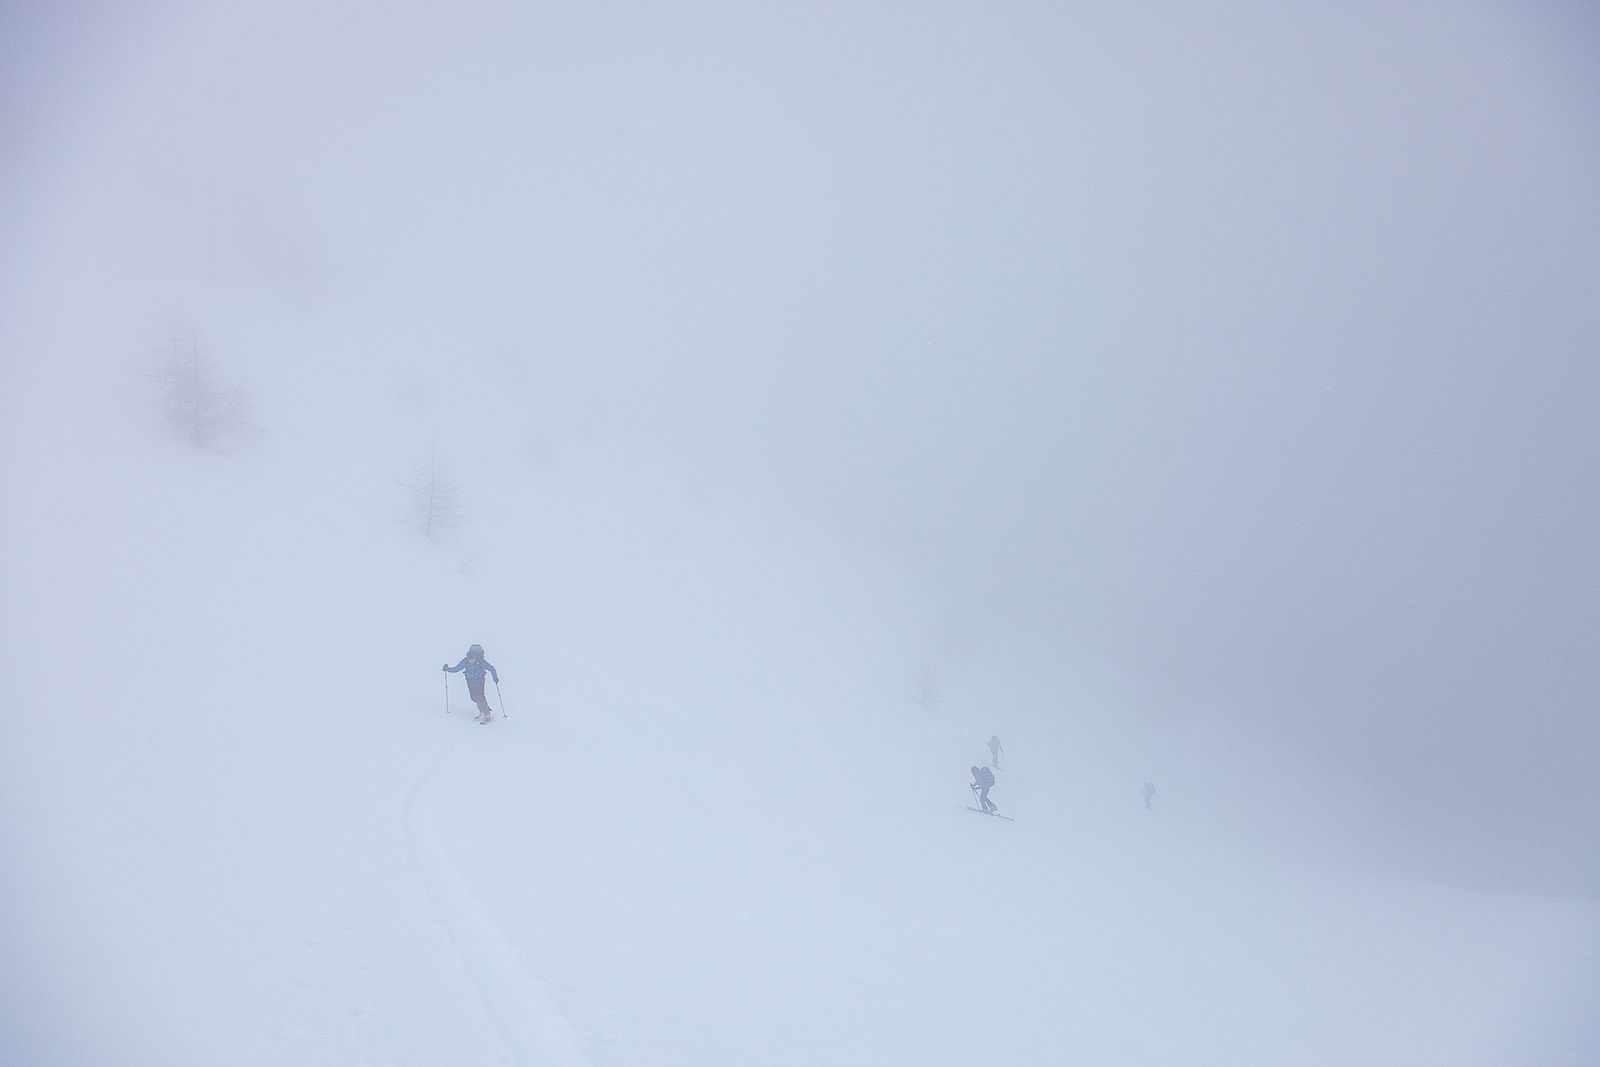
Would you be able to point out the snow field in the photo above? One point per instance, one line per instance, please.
(713, 829)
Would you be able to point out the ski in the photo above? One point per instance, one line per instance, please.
(996, 814)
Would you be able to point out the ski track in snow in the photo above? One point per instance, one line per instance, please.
(534, 1031)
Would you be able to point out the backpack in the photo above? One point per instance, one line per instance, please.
(987, 775)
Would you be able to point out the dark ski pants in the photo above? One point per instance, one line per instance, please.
(475, 688)
(983, 800)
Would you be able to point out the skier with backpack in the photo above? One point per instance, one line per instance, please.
(475, 667)
(982, 782)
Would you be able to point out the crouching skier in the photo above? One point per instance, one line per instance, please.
(982, 782)
(476, 667)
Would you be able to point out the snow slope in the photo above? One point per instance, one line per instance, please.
(713, 828)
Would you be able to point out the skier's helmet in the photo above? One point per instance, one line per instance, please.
(475, 650)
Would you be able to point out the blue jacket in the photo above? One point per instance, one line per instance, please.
(475, 669)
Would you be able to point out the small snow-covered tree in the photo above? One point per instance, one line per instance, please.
(210, 411)
(435, 495)
(929, 692)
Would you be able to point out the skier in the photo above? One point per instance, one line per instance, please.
(982, 782)
(475, 666)
(1147, 792)
(995, 748)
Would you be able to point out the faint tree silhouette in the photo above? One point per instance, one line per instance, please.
(208, 410)
(435, 495)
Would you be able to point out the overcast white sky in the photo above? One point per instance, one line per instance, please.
(1253, 345)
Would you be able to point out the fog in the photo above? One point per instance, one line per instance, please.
(1210, 393)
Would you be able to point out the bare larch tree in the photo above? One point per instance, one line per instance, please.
(209, 411)
(435, 495)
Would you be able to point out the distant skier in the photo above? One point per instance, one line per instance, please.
(475, 667)
(1147, 792)
(982, 782)
(995, 748)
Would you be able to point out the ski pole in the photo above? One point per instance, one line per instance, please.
(447, 694)
(497, 693)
